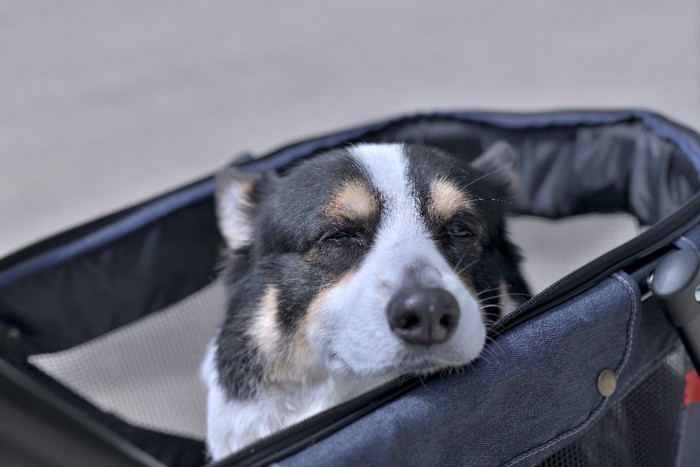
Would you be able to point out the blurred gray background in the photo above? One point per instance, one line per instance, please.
(105, 103)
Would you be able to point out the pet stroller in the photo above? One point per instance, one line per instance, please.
(102, 327)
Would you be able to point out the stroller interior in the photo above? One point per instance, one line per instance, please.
(107, 323)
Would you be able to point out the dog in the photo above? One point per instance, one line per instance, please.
(350, 269)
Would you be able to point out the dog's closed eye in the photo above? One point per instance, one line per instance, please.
(342, 238)
(458, 230)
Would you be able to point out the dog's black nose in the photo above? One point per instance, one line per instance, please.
(423, 316)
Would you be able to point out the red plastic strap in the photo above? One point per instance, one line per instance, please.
(692, 388)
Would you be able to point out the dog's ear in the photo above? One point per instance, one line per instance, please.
(237, 194)
(498, 166)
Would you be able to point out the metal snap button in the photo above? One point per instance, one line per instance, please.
(607, 382)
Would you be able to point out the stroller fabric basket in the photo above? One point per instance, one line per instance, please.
(102, 327)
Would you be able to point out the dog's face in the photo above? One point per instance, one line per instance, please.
(370, 262)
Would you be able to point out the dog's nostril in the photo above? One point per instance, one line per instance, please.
(423, 316)
(446, 320)
(408, 320)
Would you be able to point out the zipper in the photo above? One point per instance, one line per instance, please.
(303, 434)
(645, 244)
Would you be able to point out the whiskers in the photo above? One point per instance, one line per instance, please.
(457, 269)
(492, 349)
(423, 380)
(498, 200)
(480, 294)
(504, 167)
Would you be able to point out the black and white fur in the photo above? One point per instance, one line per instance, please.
(318, 258)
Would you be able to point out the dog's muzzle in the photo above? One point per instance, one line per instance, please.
(423, 316)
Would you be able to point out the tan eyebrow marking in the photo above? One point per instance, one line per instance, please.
(446, 199)
(353, 201)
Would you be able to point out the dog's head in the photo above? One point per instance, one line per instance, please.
(369, 261)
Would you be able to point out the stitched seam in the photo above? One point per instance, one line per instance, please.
(563, 436)
(630, 328)
(623, 392)
(633, 382)
(604, 403)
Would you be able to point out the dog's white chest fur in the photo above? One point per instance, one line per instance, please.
(233, 424)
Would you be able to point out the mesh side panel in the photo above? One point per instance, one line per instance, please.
(554, 248)
(147, 373)
(639, 430)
